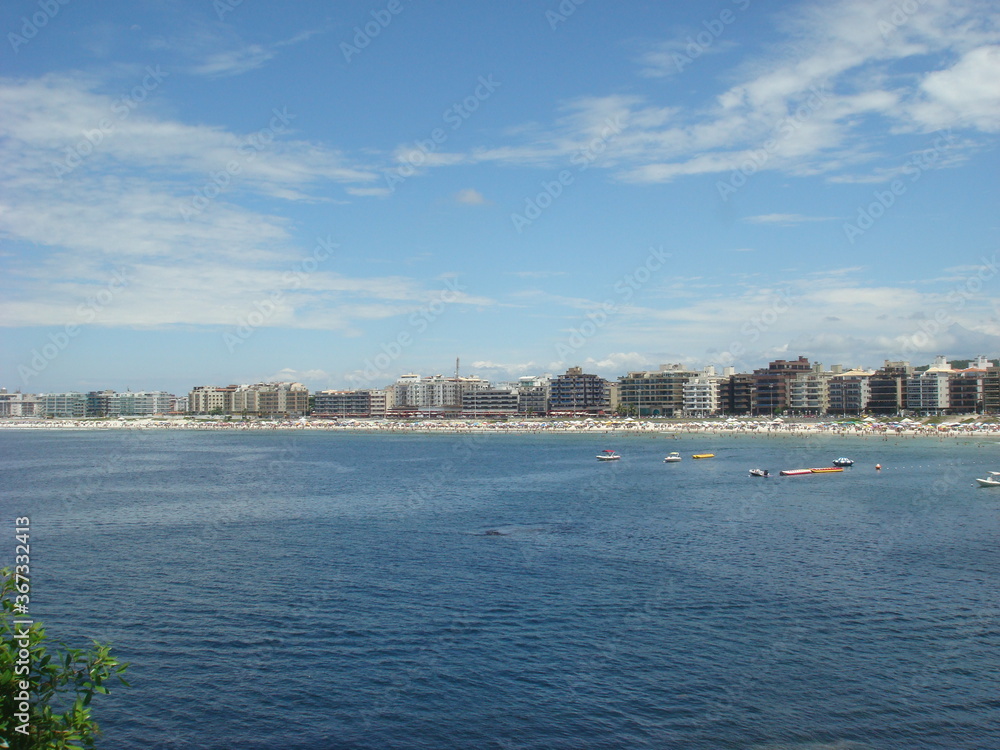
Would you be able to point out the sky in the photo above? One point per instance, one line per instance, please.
(207, 192)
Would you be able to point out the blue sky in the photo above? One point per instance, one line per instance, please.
(339, 193)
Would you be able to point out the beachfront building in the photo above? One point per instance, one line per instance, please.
(99, 403)
(139, 403)
(577, 391)
(433, 394)
(991, 390)
(703, 394)
(406, 394)
(490, 401)
(809, 392)
(379, 398)
(850, 391)
(17, 404)
(108, 403)
(739, 394)
(533, 394)
(927, 392)
(656, 393)
(888, 388)
(211, 399)
(62, 405)
(771, 384)
(356, 403)
(281, 399)
(967, 387)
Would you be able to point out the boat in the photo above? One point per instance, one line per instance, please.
(607, 456)
(992, 481)
(843, 462)
(794, 472)
(826, 469)
(759, 473)
(672, 457)
(703, 455)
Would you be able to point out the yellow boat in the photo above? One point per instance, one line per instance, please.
(703, 455)
(826, 470)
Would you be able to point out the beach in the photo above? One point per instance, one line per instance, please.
(790, 427)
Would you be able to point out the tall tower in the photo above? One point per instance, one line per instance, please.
(456, 368)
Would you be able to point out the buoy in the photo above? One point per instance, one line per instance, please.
(878, 467)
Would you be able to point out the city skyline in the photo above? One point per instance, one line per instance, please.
(247, 192)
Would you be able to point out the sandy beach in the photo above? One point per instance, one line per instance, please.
(667, 428)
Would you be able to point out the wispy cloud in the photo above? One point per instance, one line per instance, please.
(786, 220)
(470, 197)
(234, 62)
(829, 98)
(119, 205)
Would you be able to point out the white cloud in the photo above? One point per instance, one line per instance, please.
(133, 197)
(470, 197)
(828, 97)
(500, 371)
(369, 192)
(315, 379)
(234, 62)
(964, 95)
(786, 220)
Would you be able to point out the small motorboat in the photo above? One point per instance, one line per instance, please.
(843, 462)
(993, 480)
(703, 455)
(759, 473)
(794, 472)
(607, 456)
(672, 457)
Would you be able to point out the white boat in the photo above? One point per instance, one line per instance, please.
(992, 481)
(843, 462)
(759, 473)
(672, 457)
(608, 456)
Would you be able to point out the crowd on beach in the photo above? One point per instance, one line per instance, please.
(761, 427)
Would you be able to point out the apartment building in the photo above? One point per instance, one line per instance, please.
(928, 392)
(18, 404)
(850, 391)
(577, 391)
(771, 383)
(704, 394)
(655, 393)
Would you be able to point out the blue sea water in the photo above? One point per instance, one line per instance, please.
(307, 590)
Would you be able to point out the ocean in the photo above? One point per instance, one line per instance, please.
(306, 590)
